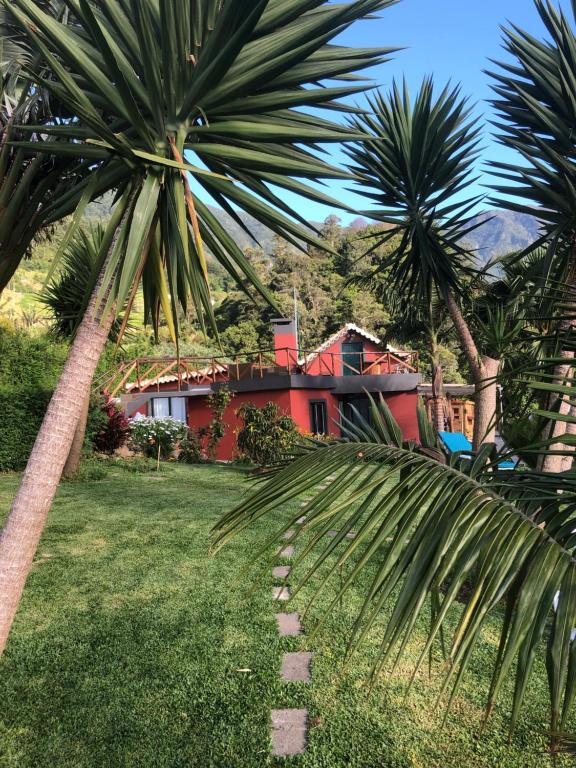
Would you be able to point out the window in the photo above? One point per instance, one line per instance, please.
(318, 417)
(162, 407)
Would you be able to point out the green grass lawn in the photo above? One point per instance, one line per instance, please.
(130, 639)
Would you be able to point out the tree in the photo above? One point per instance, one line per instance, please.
(415, 171)
(36, 189)
(537, 112)
(151, 86)
(427, 322)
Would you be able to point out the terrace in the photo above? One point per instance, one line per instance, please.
(146, 374)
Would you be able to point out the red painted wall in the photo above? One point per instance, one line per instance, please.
(199, 415)
(329, 362)
(403, 407)
(300, 408)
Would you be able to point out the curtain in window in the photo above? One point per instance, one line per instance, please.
(179, 408)
(161, 407)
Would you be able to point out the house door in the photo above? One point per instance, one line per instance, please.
(352, 357)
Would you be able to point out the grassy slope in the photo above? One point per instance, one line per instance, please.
(128, 643)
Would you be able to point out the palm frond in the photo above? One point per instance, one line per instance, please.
(218, 89)
(420, 161)
(536, 110)
(421, 528)
(67, 294)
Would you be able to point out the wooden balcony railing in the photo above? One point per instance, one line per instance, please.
(151, 373)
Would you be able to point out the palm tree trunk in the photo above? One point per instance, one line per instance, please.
(438, 398)
(74, 456)
(562, 374)
(485, 401)
(484, 371)
(25, 523)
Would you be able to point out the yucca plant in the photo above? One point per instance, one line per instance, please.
(36, 190)
(176, 102)
(415, 171)
(536, 106)
(66, 296)
(422, 524)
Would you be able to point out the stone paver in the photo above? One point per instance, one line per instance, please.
(288, 624)
(281, 571)
(280, 593)
(286, 551)
(333, 534)
(296, 667)
(288, 534)
(289, 730)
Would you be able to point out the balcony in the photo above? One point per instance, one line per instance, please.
(156, 374)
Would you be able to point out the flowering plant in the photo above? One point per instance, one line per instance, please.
(156, 436)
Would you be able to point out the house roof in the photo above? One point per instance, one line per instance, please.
(342, 333)
(454, 390)
(184, 375)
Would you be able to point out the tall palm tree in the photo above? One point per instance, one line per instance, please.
(162, 92)
(414, 171)
(536, 105)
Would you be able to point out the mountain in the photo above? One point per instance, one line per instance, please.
(502, 232)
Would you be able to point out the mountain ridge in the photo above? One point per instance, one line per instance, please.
(500, 231)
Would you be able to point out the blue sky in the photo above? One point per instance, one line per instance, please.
(453, 40)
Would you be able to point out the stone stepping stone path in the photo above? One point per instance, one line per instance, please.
(288, 624)
(290, 726)
(289, 731)
(296, 667)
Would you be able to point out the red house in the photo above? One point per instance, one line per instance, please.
(315, 388)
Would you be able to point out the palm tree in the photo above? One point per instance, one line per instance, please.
(428, 322)
(36, 189)
(413, 526)
(419, 163)
(537, 111)
(163, 92)
(66, 296)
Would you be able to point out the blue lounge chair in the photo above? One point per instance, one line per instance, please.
(457, 442)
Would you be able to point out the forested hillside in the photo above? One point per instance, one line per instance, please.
(327, 286)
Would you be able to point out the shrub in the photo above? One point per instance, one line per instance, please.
(29, 369)
(115, 430)
(267, 436)
(22, 412)
(191, 451)
(151, 435)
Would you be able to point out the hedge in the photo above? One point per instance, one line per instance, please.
(29, 369)
(22, 413)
